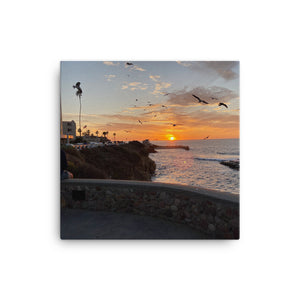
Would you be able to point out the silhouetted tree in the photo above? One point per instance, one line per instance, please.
(79, 94)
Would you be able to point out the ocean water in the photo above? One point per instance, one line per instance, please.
(200, 166)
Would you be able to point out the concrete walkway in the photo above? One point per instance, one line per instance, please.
(85, 224)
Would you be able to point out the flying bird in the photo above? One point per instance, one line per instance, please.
(164, 106)
(136, 100)
(79, 90)
(206, 137)
(221, 103)
(140, 122)
(213, 98)
(175, 124)
(129, 64)
(127, 130)
(200, 99)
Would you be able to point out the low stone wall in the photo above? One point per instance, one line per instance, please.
(216, 214)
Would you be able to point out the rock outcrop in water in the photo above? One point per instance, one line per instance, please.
(233, 164)
(126, 162)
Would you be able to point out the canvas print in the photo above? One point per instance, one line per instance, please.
(149, 150)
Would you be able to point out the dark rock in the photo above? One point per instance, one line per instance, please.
(231, 164)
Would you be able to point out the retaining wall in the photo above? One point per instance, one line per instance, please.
(216, 214)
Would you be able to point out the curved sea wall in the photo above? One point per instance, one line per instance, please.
(216, 214)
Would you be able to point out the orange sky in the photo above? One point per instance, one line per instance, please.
(145, 100)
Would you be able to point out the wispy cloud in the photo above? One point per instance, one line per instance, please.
(223, 69)
(185, 64)
(160, 88)
(135, 86)
(134, 67)
(154, 77)
(110, 63)
(159, 85)
(109, 77)
(138, 69)
(212, 95)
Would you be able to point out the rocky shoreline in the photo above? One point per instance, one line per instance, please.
(125, 162)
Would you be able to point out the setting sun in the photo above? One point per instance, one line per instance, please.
(171, 138)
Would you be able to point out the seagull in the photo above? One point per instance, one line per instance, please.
(127, 130)
(129, 64)
(221, 103)
(175, 124)
(164, 106)
(213, 98)
(150, 104)
(200, 99)
(140, 122)
(79, 90)
(206, 137)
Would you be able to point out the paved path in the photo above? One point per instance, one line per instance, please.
(85, 224)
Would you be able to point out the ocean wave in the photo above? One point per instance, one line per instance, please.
(210, 159)
(228, 153)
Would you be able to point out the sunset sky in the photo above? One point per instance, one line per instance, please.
(116, 96)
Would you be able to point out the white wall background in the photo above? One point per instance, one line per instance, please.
(35, 36)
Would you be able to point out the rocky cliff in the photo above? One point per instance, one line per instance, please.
(128, 162)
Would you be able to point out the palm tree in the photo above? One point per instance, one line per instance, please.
(79, 93)
(97, 132)
(114, 137)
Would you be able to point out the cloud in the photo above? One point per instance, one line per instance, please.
(154, 77)
(134, 83)
(185, 64)
(138, 68)
(185, 98)
(223, 69)
(110, 63)
(109, 77)
(135, 86)
(135, 67)
(159, 86)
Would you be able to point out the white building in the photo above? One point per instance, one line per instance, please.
(68, 130)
